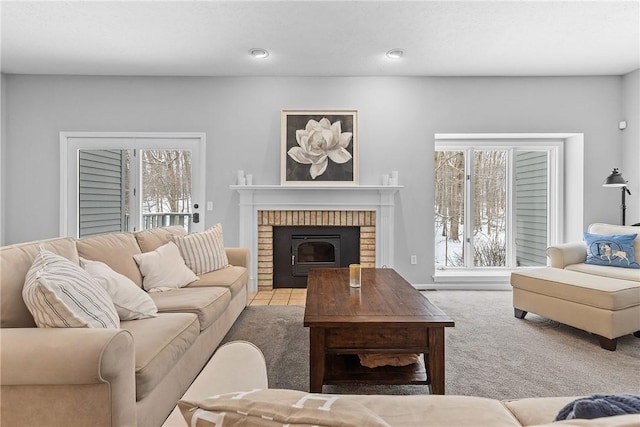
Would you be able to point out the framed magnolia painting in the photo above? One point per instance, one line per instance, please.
(319, 147)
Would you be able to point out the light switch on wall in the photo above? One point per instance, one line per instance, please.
(209, 206)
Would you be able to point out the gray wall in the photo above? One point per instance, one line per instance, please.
(631, 143)
(3, 141)
(398, 118)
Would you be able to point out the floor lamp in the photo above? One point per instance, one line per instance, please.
(616, 180)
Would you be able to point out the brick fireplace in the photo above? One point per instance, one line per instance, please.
(267, 219)
(263, 207)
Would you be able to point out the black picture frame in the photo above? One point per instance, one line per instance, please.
(319, 147)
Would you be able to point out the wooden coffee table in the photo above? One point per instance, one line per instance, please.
(385, 315)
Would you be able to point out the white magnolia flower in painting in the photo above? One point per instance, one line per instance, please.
(318, 142)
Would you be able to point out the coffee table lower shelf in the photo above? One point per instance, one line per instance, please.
(346, 369)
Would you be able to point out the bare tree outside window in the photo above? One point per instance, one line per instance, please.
(166, 181)
(489, 208)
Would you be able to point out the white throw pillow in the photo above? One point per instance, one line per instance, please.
(60, 294)
(203, 252)
(164, 269)
(130, 301)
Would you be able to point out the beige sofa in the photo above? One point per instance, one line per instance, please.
(132, 376)
(603, 300)
(246, 401)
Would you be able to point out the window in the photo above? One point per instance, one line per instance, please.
(495, 202)
(129, 182)
(115, 185)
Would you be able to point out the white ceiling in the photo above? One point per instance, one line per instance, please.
(321, 38)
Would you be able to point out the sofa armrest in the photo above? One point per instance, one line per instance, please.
(566, 254)
(64, 366)
(238, 256)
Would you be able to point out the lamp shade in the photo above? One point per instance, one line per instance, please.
(615, 180)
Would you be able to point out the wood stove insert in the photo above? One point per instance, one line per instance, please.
(296, 249)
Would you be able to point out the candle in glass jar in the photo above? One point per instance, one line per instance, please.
(355, 275)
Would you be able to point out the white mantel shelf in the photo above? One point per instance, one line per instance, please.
(378, 198)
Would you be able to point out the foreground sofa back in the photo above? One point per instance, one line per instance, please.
(218, 395)
(111, 377)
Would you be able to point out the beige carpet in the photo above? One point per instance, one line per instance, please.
(489, 353)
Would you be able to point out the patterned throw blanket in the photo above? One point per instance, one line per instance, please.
(600, 405)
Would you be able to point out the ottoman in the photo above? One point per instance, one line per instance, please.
(607, 307)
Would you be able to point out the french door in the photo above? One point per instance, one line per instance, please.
(127, 182)
(493, 205)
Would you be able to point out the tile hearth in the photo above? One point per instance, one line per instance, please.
(281, 296)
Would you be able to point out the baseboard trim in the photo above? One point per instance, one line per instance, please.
(464, 286)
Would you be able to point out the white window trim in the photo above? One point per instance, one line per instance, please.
(565, 207)
(69, 151)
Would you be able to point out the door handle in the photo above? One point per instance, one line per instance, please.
(196, 218)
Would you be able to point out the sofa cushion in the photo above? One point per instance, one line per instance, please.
(606, 271)
(438, 410)
(587, 289)
(164, 268)
(130, 301)
(207, 303)
(159, 343)
(615, 250)
(60, 294)
(114, 249)
(538, 410)
(153, 238)
(600, 228)
(233, 278)
(15, 261)
(203, 252)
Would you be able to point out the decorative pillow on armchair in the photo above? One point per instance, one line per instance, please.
(614, 250)
(275, 408)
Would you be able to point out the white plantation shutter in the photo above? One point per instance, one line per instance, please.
(102, 192)
(531, 208)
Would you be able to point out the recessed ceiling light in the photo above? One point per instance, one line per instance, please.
(395, 54)
(259, 53)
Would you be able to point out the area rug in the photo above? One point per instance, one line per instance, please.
(489, 352)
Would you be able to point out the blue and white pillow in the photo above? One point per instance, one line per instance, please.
(615, 250)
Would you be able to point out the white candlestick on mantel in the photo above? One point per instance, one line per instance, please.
(394, 178)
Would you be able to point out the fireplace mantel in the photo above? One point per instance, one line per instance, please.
(254, 198)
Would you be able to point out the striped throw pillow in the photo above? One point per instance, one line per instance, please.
(203, 252)
(60, 294)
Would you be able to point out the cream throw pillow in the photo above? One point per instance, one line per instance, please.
(203, 252)
(276, 408)
(164, 269)
(60, 294)
(130, 301)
